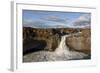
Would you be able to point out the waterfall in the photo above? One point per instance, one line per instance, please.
(64, 51)
(62, 46)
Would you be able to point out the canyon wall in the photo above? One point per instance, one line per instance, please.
(49, 39)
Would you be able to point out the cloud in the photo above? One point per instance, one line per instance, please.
(47, 22)
(32, 23)
(56, 19)
(42, 24)
(84, 20)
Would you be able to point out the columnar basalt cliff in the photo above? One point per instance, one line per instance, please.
(35, 39)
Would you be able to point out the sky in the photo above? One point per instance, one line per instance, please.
(36, 18)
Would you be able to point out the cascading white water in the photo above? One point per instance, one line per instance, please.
(64, 50)
(62, 46)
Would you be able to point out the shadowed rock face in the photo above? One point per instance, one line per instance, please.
(33, 46)
(49, 39)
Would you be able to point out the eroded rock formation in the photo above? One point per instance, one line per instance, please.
(80, 42)
(49, 39)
